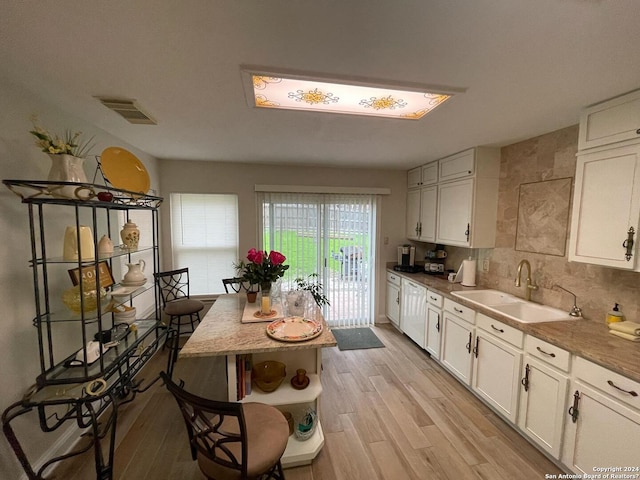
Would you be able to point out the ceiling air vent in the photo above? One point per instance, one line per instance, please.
(127, 109)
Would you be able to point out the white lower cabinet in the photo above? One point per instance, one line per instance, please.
(603, 421)
(578, 412)
(543, 395)
(457, 341)
(413, 311)
(496, 366)
(393, 298)
(434, 324)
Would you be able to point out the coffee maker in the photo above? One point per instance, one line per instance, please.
(406, 259)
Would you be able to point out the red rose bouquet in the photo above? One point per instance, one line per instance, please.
(262, 268)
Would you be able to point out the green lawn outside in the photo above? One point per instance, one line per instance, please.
(292, 245)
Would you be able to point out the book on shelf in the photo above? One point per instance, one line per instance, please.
(243, 375)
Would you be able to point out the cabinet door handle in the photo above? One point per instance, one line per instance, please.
(416, 228)
(552, 355)
(475, 349)
(525, 380)
(628, 244)
(398, 299)
(420, 229)
(433, 298)
(458, 310)
(573, 411)
(438, 323)
(630, 392)
(497, 329)
(467, 232)
(469, 344)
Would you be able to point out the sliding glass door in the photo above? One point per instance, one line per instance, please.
(330, 235)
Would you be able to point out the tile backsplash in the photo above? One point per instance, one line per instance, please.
(550, 156)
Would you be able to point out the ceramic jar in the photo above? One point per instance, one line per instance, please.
(130, 234)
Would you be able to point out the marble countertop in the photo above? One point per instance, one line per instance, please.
(586, 338)
(221, 333)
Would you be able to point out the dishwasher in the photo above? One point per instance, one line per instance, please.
(413, 313)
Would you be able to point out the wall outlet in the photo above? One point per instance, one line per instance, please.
(485, 265)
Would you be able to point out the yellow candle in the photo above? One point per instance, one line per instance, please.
(266, 305)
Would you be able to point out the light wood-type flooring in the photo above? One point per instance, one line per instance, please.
(387, 413)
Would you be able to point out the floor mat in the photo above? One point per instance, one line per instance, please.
(356, 338)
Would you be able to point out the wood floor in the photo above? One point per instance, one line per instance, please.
(387, 413)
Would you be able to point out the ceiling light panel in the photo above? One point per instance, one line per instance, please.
(321, 96)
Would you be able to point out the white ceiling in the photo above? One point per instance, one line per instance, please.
(529, 66)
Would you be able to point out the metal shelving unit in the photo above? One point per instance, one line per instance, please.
(83, 393)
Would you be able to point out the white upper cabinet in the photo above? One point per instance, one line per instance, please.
(468, 198)
(457, 166)
(414, 177)
(613, 121)
(430, 173)
(421, 213)
(606, 208)
(456, 208)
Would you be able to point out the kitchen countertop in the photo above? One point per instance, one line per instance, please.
(220, 332)
(585, 338)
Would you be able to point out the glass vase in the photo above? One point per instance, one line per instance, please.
(265, 298)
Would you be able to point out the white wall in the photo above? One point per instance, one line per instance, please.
(219, 177)
(21, 159)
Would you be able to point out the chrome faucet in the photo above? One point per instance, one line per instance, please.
(575, 310)
(530, 286)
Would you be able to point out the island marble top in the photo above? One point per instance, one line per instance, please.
(221, 333)
(586, 338)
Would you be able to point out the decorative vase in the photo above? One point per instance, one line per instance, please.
(130, 235)
(295, 303)
(71, 249)
(265, 298)
(66, 168)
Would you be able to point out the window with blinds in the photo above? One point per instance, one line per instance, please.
(204, 233)
(331, 235)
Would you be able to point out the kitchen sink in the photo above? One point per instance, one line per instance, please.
(514, 307)
(487, 297)
(527, 312)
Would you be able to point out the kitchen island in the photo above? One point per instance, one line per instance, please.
(221, 333)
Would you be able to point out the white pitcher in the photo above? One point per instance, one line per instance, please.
(135, 276)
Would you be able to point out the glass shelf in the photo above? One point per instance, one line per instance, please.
(39, 191)
(66, 315)
(118, 252)
(105, 366)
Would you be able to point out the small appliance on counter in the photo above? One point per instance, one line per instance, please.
(406, 260)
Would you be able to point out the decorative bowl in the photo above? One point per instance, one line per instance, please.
(71, 297)
(268, 376)
(124, 314)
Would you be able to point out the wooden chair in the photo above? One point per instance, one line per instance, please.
(232, 440)
(236, 284)
(176, 303)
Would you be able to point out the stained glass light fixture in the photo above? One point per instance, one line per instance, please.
(352, 98)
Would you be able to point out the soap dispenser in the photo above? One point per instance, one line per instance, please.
(615, 315)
